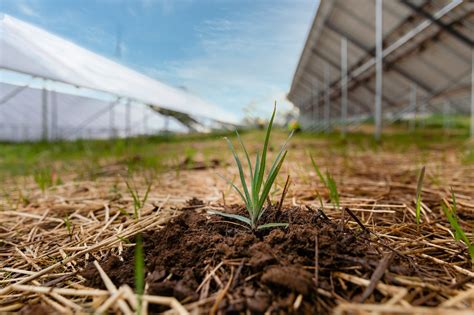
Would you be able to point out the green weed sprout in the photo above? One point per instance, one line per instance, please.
(137, 202)
(68, 224)
(459, 233)
(43, 179)
(139, 266)
(328, 182)
(255, 195)
(418, 194)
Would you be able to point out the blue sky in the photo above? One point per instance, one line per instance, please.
(230, 52)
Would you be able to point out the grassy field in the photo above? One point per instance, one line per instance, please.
(161, 153)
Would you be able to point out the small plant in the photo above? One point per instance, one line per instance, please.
(328, 182)
(139, 267)
(255, 195)
(68, 224)
(43, 178)
(137, 202)
(419, 187)
(459, 233)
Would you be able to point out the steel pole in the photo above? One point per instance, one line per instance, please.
(112, 122)
(344, 86)
(54, 115)
(145, 120)
(128, 119)
(44, 112)
(327, 99)
(316, 107)
(445, 115)
(472, 94)
(378, 69)
(413, 107)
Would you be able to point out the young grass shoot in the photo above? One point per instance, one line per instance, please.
(329, 183)
(256, 193)
(459, 234)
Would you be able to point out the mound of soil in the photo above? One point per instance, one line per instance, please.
(270, 268)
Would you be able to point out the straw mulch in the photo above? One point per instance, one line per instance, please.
(42, 252)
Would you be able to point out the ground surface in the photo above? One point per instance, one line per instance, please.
(68, 205)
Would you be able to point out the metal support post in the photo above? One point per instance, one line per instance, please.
(424, 113)
(413, 108)
(112, 122)
(445, 115)
(378, 69)
(472, 94)
(316, 108)
(54, 115)
(44, 114)
(327, 99)
(145, 120)
(344, 86)
(167, 121)
(128, 119)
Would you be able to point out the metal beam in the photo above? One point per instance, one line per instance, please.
(392, 64)
(371, 52)
(403, 40)
(448, 28)
(336, 66)
(359, 70)
(306, 85)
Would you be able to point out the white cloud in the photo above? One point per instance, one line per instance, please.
(27, 10)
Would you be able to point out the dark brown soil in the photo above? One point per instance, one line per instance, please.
(270, 268)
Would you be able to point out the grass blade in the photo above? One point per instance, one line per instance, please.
(459, 232)
(269, 183)
(241, 172)
(318, 172)
(272, 225)
(246, 154)
(255, 192)
(261, 171)
(334, 194)
(282, 150)
(236, 189)
(139, 269)
(231, 216)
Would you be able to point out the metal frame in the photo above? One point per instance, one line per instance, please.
(404, 38)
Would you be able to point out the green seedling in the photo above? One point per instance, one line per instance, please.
(138, 202)
(419, 188)
(68, 224)
(255, 195)
(43, 179)
(328, 182)
(139, 266)
(459, 234)
(123, 239)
